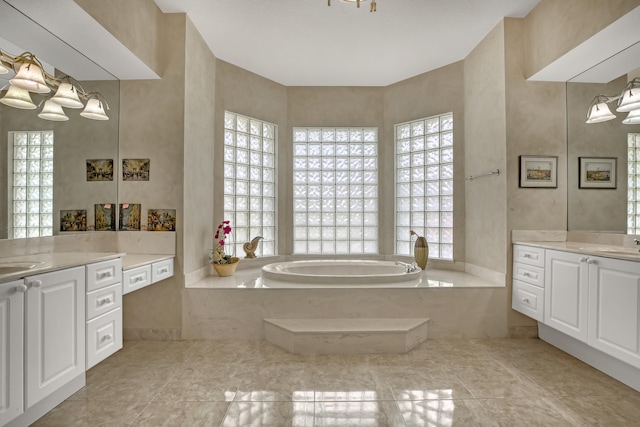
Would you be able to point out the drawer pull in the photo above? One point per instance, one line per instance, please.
(104, 275)
(526, 274)
(107, 337)
(138, 279)
(525, 299)
(527, 255)
(164, 270)
(104, 301)
(592, 261)
(584, 259)
(21, 288)
(36, 283)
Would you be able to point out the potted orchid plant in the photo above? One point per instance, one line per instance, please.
(224, 264)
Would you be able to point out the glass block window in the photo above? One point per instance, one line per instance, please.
(633, 183)
(335, 190)
(31, 171)
(424, 184)
(250, 182)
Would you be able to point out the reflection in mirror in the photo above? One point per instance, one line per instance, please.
(601, 199)
(45, 177)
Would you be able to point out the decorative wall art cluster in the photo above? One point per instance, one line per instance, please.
(129, 215)
(542, 172)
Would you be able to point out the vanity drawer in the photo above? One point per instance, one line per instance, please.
(103, 300)
(105, 273)
(136, 278)
(104, 336)
(528, 273)
(528, 255)
(161, 270)
(528, 299)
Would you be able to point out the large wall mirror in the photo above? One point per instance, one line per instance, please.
(75, 187)
(598, 171)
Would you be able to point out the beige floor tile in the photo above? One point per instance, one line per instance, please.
(447, 412)
(419, 382)
(528, 412)
(270, 381)
(604, 410)
(92, 413)
(358, 413)
(226, 351)
(351, 383)
(269, 414)
(187, 414)
(154, 352)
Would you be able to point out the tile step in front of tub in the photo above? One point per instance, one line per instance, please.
(346, 336)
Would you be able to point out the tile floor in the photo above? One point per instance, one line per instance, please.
(492, 382)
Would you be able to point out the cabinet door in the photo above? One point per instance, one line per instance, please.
(11, 350)
(55, 331)
(614, 316)
(566, 293)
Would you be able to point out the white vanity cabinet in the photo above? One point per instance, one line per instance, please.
(567, 292)
(104, 310)
(54, 331)
(614, 308)
(528, 281)
(12, 354)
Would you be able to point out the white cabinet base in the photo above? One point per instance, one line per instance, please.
(611, 366)
(49, 402)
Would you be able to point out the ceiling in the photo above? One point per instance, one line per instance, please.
(307, 43)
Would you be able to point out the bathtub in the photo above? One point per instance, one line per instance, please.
(366, 273)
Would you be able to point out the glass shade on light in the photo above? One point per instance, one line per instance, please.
(53, 111)
(600, 113)
(31, 78)
(94, 110)
(633, 118)
(630, 100)
(18, 98)
(67, 96)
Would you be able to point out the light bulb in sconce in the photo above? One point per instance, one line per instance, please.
(599, 112)
(94, 110)
(633, 118)
(30, 77)
(18, 98)
(53, 111)
(67, 96)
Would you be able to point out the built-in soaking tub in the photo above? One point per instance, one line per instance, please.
(365, 273)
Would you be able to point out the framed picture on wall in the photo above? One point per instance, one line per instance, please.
(538, 171)
(597, 172)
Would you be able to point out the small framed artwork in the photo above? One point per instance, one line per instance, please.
(538, 171)
(161, 220)
(99, 169)
(73, 220)
(135, 169)
(130, 216)
(105, 217)
(597, 172)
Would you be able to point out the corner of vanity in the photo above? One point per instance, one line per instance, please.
(585, 296)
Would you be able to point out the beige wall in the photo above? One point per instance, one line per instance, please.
(136, 23)
(199, 113)
(436, 92)
(485, 150)
(554, 27)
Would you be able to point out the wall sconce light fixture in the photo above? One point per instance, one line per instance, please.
(627, 102)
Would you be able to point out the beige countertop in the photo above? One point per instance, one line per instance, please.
(50, 261)
(130, 261)
(596, 249)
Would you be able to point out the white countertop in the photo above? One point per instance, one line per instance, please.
(51, 261)
(596, 249)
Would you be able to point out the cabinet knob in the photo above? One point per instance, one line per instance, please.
(21, 288)
(107, 337)
(105, 301)
(525, 299)
(592, 261)
(584, 259)
(35, 283)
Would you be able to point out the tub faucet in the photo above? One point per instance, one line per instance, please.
(408, 268)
